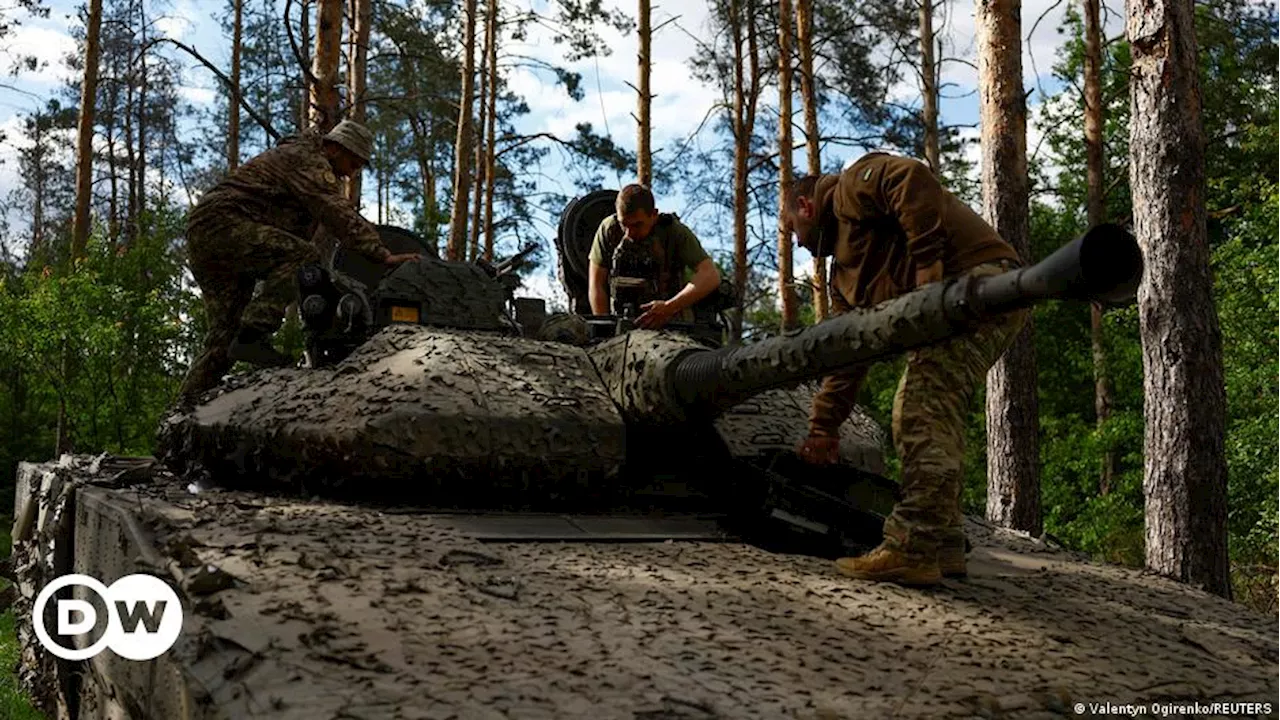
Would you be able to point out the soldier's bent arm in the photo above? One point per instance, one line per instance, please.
(834, 402)
(907, 191)
(597, 289)
(598, 270)
(706, 276)
(319, 191)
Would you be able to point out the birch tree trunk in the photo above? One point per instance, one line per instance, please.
(644, 158)
(1013, 455)
(786, 281)
(357, 75)
(746, 95)
(457, 246)
(1097, 213)
(84, 132)
(489, 155)
(233, 110)
(324, 92)
(809, 95)
(929, 89)
(1185, 471)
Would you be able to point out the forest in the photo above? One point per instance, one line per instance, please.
(1145, 435)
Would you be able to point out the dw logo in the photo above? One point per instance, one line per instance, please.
(143, 617)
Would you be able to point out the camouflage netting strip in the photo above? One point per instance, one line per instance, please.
(636, 369)
(441, 416)
(712, 381)
(452, 294)
(778, 420)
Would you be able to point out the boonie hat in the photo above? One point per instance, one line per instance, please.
(354, 137)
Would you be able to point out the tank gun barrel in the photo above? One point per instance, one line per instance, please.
(1103, 265)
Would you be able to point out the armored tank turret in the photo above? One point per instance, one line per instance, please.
(433, 388)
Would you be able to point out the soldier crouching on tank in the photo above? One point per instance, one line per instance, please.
(891, 227)
(259, 224)
(642, 254)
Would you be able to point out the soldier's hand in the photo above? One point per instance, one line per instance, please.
(930, 274)
(394, 260)
(820, 450)
(656, 314)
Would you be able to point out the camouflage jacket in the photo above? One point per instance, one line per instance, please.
(292, 187)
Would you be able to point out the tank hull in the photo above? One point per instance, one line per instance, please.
(335, 610)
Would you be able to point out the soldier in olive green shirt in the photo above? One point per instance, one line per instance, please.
(641, 243)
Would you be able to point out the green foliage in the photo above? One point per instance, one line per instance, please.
(108, 341)
(14, 704)
(1238, 82)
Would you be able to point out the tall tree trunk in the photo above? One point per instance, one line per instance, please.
(644, 156)
(928, 73)
(113, 210)
(131, 160)
(746, 95)
(786, 281)
(357, 73)
(304, 42)
(477, 217)
(324, 93)
(1185, 470)
(84, 134)
(740, 148)
(143, 122)
(490, 155)
(1013, 455)
(424, 141)
(37, 196)
(813, 149)
(233, 112)
(462, 147)
(1097, 213)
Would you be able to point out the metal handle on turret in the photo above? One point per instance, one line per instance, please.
(1103, 265)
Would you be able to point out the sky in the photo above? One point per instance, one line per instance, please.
(680, 104)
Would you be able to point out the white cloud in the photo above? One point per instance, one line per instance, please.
(50, 46)
(542, 283)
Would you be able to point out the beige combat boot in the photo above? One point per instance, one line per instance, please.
(887, 563)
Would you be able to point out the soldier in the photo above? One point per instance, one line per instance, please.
(258, 224)
(891, 228)
(639, 242)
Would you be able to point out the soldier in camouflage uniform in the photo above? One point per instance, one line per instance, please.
(639, 242)
(258, 225)
(891, 227)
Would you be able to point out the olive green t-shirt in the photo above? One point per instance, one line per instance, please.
(669, 232)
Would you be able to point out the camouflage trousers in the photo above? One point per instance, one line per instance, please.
(929, 413)
(229, 260)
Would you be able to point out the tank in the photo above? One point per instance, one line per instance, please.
(434, 384)
(451, 510)
(439, 388)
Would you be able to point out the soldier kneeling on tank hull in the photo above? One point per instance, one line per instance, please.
(257, 225)
(890, 228)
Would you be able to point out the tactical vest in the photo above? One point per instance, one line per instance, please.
(644, 271)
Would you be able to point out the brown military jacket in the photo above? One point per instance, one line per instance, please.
(886, 217)
(292, 187)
